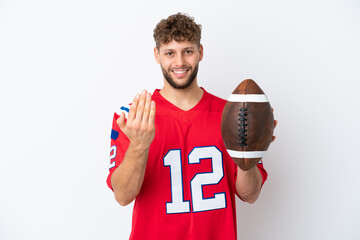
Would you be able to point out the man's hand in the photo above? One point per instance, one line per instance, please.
(275, 123)
(127, 179)
(140, 124)
(248, 183)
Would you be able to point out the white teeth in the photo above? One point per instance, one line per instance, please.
(179, 72)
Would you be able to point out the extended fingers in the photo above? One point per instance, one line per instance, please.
(136, 128)
(151, 121)
(146, 113)
(141, 107)
(133, 108)
(140, 110)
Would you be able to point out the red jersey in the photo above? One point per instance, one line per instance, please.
(188, 190)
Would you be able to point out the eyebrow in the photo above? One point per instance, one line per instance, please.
(170, 49)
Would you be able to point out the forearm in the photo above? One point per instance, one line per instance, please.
(127, 179)
(248, 184)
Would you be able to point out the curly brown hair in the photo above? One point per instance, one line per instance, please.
(179, 27)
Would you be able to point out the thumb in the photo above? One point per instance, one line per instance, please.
(121, 121)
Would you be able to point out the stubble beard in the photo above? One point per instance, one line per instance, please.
(186, 84)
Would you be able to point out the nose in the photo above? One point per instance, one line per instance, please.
(180, 60)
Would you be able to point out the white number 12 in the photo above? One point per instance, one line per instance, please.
(173, 160)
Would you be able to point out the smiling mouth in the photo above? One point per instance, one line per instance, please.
(180, 72)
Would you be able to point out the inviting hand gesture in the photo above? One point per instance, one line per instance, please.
(140, 124)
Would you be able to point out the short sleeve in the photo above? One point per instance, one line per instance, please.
(119, 145)
(263, 172)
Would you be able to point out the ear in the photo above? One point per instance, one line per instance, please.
(157, 55)
(201, 52)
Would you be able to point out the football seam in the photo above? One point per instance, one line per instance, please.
(242, 126)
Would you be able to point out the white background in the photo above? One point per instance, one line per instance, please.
(66, 65)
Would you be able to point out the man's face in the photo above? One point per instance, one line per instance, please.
(179, 62)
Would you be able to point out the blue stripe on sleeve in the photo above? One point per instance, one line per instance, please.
(124, 109)
(114, 134)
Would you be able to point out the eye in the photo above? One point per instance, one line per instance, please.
(169, 53)
(188, 52)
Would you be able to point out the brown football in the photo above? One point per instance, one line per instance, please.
(247, 124)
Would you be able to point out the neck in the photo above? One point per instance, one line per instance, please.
(184, 99)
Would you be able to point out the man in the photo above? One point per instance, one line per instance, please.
(167, 151)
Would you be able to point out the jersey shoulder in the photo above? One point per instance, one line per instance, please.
(216, 104)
